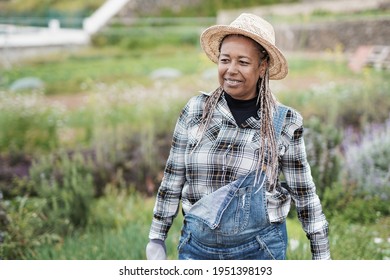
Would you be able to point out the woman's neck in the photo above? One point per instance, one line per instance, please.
(241, 104)
(242, 109)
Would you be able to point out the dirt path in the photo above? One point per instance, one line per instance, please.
(68, 101)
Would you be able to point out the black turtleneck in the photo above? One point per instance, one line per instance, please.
(242, 109)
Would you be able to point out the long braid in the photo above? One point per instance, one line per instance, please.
(210, 105)
(268, 154)
(208, 111)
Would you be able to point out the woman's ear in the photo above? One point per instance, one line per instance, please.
(263, 67)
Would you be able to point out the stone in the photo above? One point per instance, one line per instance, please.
(165, 73)
(27, 83)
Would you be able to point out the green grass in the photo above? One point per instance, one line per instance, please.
(118, 230)
(128, 238)
(120, 244)
(72, 74)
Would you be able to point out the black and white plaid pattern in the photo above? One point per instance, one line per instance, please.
(226, 152)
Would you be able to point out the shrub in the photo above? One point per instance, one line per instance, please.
(322, 148)
(341, 200)
(65, 183)
(367, 158)
(342, 105)
(58, 202)
(361, 104)
(25, 229)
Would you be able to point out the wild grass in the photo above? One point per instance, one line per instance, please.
(26, 125)
(79, 70)
(116, 140)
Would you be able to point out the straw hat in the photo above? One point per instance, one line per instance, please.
(253, 27)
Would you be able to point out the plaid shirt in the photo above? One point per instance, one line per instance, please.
(226, 152)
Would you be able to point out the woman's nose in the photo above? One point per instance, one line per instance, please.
(232, 68)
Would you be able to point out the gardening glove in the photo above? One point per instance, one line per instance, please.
(156, 250)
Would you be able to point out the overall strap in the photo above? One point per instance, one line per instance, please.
(278, 120)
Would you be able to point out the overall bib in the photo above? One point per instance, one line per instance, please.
(232, 223)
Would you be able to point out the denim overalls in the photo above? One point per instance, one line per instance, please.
(232, 223)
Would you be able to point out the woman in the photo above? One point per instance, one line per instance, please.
(228, 150)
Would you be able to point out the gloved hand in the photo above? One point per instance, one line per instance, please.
(156, 250)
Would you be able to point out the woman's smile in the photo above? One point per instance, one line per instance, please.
(232, 82)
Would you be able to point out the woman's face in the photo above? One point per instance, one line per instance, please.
(239, 67)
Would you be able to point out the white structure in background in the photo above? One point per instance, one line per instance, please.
(27, 37)
(54, 35)
(101, 17)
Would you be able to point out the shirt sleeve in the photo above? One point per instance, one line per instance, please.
(169, 193)
(296, 170)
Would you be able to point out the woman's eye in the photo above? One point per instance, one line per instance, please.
(244, 62)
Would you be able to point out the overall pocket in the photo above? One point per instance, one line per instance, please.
(235, 217)
(273, 243)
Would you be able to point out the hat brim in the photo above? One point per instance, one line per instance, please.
(211, 38)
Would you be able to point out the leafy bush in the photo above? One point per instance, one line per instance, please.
(322, 148)
(66, 185)
(342, 104)
(25, 229)
(128, 134)
(367, 159)
(341, 200)
(59, 201)
(365, 102)
(362, 192)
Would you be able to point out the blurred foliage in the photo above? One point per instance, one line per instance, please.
(322, 148)
(367, 160)
(50, 7)
(341, 200)
(40, 7)
(132, 38)
(121, 141)
(87, 170)
(75, 72)
(211, 8)
(57, 202)
(38, 12)
(343, 99)
(25, 229)
(26, 125)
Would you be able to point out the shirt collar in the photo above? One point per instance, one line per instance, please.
(223, 108)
